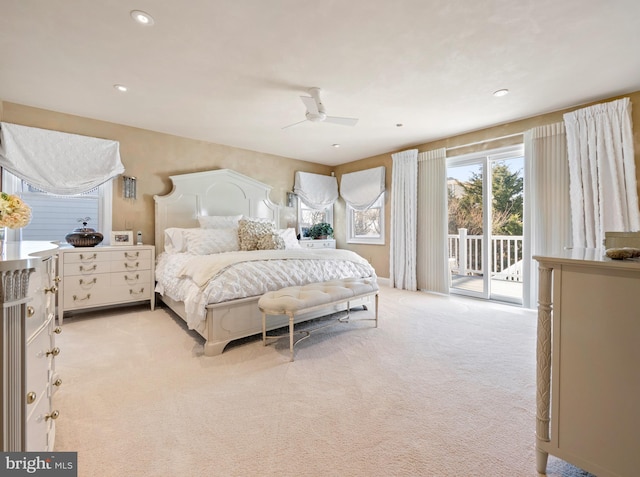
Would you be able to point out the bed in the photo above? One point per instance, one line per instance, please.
(206, 279)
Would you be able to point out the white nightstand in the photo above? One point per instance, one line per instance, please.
(103, 276)
(317, 243)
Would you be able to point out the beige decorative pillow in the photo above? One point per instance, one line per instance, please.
(272, 241)
(251, 231)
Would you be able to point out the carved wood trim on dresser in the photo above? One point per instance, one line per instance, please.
(27, 346)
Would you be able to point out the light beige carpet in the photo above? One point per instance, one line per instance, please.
(444, 387)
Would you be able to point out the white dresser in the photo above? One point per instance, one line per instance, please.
(105, 276)
(588, 358)
(28, 376)
(317, 243)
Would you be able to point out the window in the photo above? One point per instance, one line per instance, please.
(366, 226)
(54, 216)
(308, 217)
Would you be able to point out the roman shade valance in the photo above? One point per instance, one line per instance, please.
(316, 190)
(361, 189)
(57, 162)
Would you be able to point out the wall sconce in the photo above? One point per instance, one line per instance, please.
(129, 187)
(291, 199)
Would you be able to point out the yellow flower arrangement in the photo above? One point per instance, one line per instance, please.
(14, 213)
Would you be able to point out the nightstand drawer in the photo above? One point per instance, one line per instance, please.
(85, 269)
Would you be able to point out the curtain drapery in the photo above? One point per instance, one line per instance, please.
(316, 190)
(547, 212)
(432, 247)
(404, 199)
(603, 187)
(361, 189)
(57, 162)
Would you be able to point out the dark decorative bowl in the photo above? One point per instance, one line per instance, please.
(84, 237)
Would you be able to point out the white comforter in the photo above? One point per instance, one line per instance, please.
(198, 280)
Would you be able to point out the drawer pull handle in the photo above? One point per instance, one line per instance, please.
(31, 397)
(57, 330)
(75, 297)
(92, 257)
(54, 352)
(92, 282)
(54, 415)
(134, 266)
(132, 279)
(92, 269)
(131, 292)
(57, 382)
(52, 289)
(133, 255)
(30, 311)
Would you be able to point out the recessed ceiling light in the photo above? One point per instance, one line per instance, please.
(501, 92)
(399, 125)
(335, 145)
(120, 87)
(143, 18)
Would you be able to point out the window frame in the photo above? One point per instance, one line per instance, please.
(328, 211)
(373, 240)
(12, 184)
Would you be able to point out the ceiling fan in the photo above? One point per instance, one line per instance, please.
(316, 112)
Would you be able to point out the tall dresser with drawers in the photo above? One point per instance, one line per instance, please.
(105, 276)
(28, 377)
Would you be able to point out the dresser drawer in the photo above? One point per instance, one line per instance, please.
(87, 257)
(81, 298)
(38, 361)
(131, 278)
(130, 256)
(39, 427)
(71, 269)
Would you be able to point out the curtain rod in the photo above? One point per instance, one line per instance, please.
(484, 141)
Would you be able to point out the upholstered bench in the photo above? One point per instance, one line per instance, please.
(292, 301)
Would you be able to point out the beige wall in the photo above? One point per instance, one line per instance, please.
(378, 255)
(152, 157)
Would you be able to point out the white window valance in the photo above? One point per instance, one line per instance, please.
(57, 162)
(316, 190)
(361, 189)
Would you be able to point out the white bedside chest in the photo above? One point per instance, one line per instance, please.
(102, 276)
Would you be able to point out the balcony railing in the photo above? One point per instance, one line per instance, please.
(465, 256)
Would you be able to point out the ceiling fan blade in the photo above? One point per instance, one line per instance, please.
(295, 124)
(342, 121)
(310, 103)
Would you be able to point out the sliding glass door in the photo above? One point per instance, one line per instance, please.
(485, 194)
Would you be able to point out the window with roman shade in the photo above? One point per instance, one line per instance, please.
(57, 162)
(363, 192)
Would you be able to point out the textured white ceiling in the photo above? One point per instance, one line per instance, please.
(231, 71)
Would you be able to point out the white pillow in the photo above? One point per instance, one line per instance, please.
(218, 221)
(174, 240)
(208, 241)
(289, 237)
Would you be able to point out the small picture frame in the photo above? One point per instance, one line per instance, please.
(121, 237)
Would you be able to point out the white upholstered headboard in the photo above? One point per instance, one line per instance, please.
(219, 192)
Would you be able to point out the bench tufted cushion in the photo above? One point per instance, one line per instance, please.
(294, 299)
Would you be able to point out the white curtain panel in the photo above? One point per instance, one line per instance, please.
(57, 162)
(404, 199)
(602, 170)
(361, 189)
(316, 190)
(547, 212)
(432, 247)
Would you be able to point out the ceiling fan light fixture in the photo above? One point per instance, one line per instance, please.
(143, 18)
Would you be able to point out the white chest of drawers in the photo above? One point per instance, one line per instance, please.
(28, 378)
(318, 243)
(104, 276)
